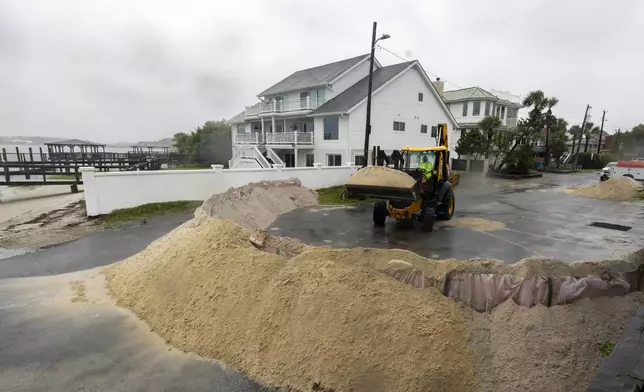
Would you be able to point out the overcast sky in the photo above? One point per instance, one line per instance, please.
(130, 70)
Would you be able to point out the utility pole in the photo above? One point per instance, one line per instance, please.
(601, 132)
(583, 125)
(367, 128)
(545, 159)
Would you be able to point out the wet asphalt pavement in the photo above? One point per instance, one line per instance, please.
(48, 343)
(540, 220)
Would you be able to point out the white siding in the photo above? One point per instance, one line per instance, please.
(399, 102)
(350, 78)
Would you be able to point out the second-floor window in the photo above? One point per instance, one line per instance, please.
(502, 112)
(420, 97)
(487, 108)
(303, 99)
(241, 128)
(434, 131)
(476, 109)
(464, 109)
(331, 128)
(423, 129)
(399, 126)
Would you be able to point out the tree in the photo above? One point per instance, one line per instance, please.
(489, 126)
(528, 130)
(502, 142)
(472, 143)
(558, 145)
(208, 144)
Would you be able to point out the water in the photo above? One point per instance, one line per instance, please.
(6, 253)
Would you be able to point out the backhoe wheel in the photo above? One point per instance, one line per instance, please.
(447, 206)
(379, 213)
(428, 219)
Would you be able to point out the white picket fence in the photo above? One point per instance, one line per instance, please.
(106, 192)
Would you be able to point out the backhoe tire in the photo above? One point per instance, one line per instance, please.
(429, 214)
(446, 210)
(379, 213)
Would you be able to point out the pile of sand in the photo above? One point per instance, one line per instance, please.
(296, 316)
(313, 318)
(381, 176)
(475, 224)
(615, 188)
(256, 205)
(554, 349)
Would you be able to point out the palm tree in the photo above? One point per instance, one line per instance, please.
(488, 127)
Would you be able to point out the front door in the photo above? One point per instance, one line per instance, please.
(289, 159)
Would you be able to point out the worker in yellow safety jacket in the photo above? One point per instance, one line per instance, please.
(426, 166)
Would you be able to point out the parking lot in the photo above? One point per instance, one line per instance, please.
(540, 220)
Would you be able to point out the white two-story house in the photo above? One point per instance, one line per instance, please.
(319, 114)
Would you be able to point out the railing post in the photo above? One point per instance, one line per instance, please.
(90, 192)
(308, 102)
(256, 138)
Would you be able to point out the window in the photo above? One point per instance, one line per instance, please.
(476, 110)
(278, 104)
(502, 112)
(487, 108)
(334, 160)
(434, 131)
(399, 126)
(420, 97)
(303, 99)
(331, 128)
(256, 128)
(358, 160)
(423, 129)
(279, 127)
(309, 160)
(464, 109)
(241, 128)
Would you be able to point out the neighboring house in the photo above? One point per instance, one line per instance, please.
(318, 115)
(470, 105)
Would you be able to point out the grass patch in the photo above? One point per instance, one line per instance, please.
(333, 196)
(192, 166)
(147, 210)
(606, 348)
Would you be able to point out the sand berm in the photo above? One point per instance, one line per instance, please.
(329, 318)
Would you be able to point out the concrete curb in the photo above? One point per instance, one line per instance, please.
(623, 370)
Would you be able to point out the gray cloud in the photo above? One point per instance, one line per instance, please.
(139, 70)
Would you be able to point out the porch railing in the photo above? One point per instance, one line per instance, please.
(277, 138)
(271, 107)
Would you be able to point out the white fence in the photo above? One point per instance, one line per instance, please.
(106, 192)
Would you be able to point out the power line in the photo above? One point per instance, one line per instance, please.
(404, 59)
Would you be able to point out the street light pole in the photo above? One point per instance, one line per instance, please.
(367, 129)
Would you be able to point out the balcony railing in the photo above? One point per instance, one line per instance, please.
(273, 107)
(277, 138)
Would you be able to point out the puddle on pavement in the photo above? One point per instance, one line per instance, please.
(6, 253)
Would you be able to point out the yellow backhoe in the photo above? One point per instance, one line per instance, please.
(430, 194)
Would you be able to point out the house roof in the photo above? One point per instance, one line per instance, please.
(468, 93)
(74, 142)
(238, 119)
(356, 93)
(312, 77)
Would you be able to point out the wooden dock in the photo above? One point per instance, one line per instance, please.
(62, 168)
